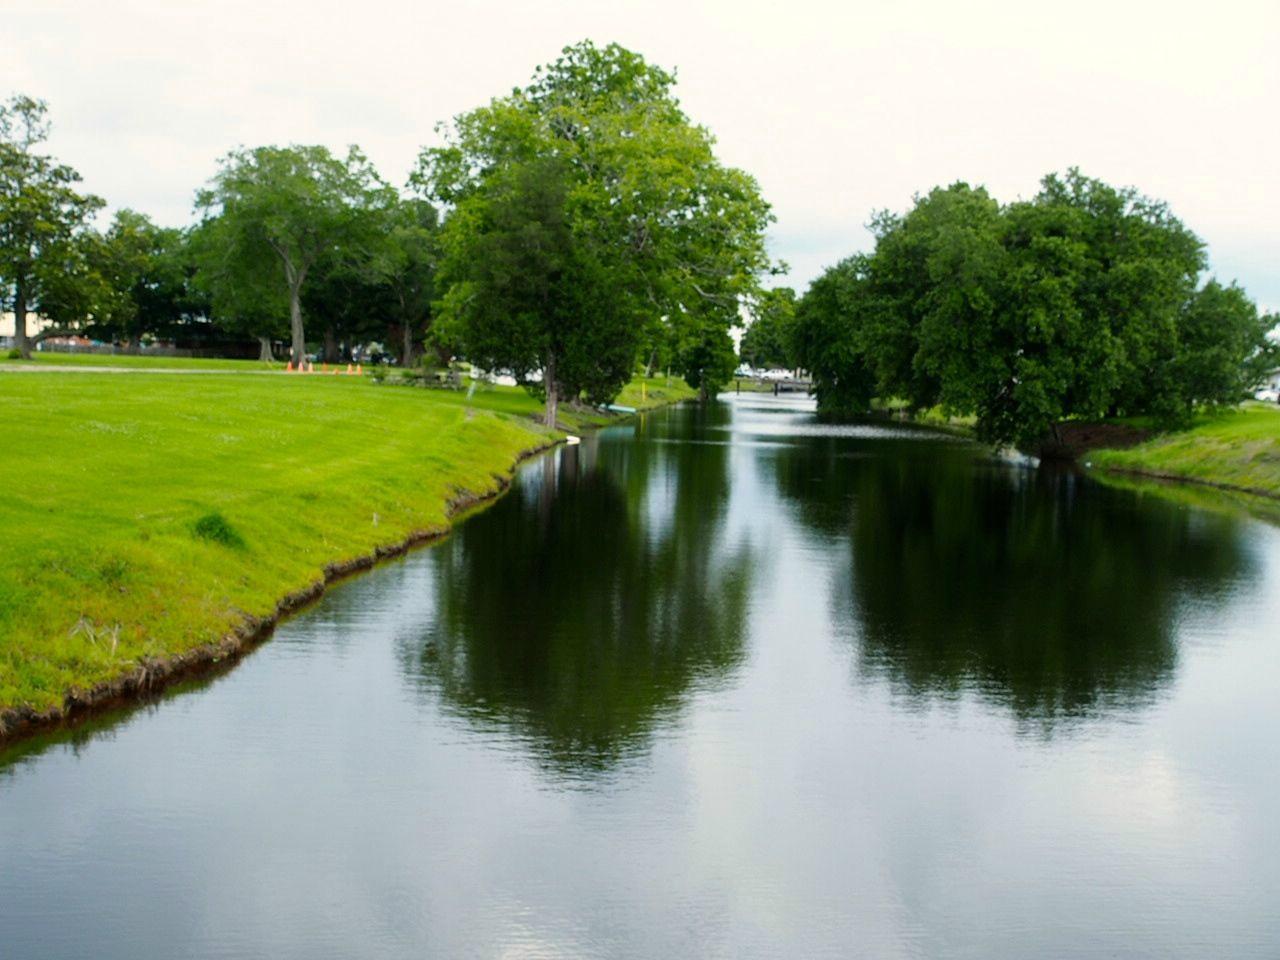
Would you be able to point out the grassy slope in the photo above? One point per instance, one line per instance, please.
(105, 478)
(1236, 448)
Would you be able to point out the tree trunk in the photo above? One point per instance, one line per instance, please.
(264, 349)
(648, 367)
(408, 344)
(330, 346)
(299, 349)
(20, 320)
(553, 393)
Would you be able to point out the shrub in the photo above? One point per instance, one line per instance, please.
(411, 376)
(15, 354)
(215, 528)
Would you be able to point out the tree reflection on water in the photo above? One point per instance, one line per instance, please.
(1032, 588)
(577, 615)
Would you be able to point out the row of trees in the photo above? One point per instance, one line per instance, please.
(564, 232)
(283, 233)
(1085, 301)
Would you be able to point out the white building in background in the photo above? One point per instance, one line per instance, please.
(34, 324)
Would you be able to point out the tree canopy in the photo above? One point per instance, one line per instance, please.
(768, 340)
(582, 224)
(593, 175)
(43, 218)
(1082, 302)
(289, 206)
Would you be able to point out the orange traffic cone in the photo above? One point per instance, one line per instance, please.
(311, 367)
(288, 367)
(350, 370)
(359, 370)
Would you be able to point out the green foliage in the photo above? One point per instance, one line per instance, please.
(145, 271)
(593, 181)
(524, 296)
(1218, 326)
(14, 354)
(769, 340)
(1079, 303)
(405, 266)
(43, 222)
(270, 215)
(828, 339)
(704, 350)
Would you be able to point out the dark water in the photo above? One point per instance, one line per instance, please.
(726, 684)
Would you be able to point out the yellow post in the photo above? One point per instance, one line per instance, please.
(644, 391)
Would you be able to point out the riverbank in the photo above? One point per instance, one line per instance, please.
(1236, 450)
(1233, 450)
(152, 524)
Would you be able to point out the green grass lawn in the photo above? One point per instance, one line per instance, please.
(125, 360)
(1235, 448)
(155, 511)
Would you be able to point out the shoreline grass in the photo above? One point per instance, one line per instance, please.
(1234, 449)
(146, 516)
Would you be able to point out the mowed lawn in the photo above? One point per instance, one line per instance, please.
(52, 359)
(144, 515)
(1237, 448)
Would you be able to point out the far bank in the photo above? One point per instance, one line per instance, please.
(1232, 449)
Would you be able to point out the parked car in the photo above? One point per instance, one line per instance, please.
(1269, 395)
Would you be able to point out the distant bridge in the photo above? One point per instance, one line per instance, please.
(764, 385)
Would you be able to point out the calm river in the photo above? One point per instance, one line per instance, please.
(720, 683)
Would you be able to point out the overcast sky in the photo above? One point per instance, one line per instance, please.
(837, 108)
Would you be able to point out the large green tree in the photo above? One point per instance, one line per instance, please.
(525, 297)
(1218, 326)
(405, 266)
(767, 341)
(240, 280)
(704, 347)
(145, 271)
(43, 216)
(292, 205)
(1081, 302)
(623, 192)
(828, 338)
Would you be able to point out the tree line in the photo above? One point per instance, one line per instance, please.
(1083, 302)
(582, 226)
(282, 233)
(565, 232)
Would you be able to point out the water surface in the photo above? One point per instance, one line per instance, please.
(723, 682)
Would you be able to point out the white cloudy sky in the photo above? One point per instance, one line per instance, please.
(838, 108)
